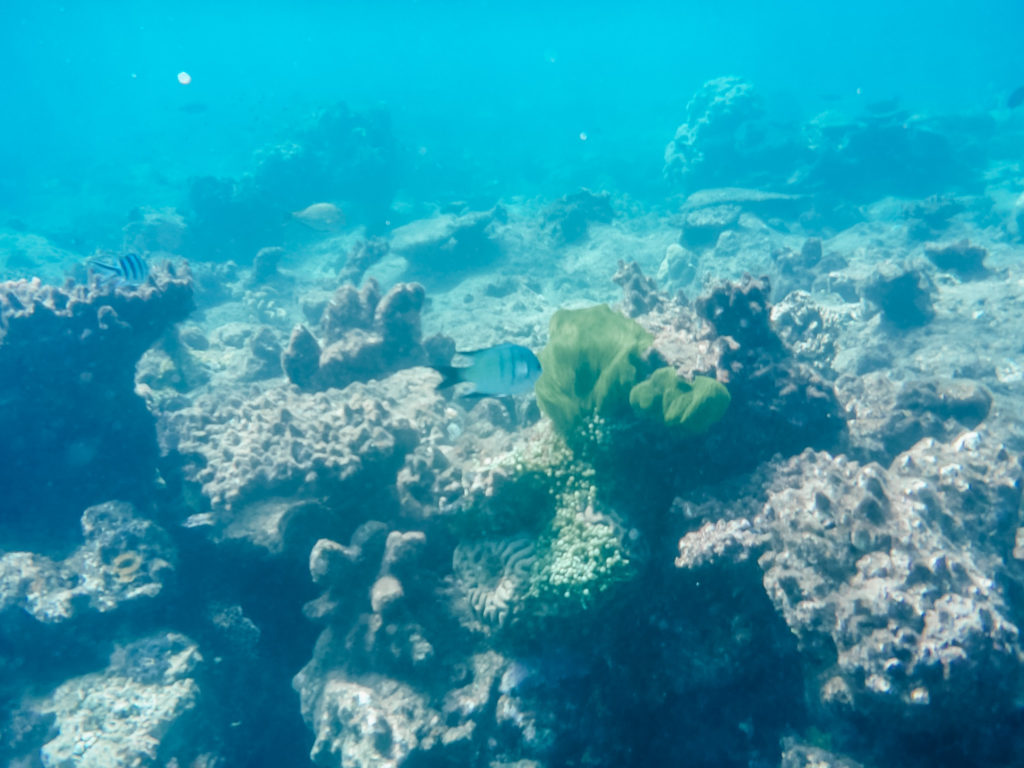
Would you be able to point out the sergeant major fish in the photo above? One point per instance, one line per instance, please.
(130, 268)
(506, 369)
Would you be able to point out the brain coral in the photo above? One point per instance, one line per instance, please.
(490, 576)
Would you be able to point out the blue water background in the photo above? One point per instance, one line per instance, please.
(484, 97)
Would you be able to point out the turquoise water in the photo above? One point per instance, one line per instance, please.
(764, 511)
(495, 96)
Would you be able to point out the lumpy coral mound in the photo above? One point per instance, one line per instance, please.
(67, 368)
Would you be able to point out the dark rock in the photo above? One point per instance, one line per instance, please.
(194, 337)
(798, 270)
(903, 295)
(301, 360)
(928, 217)
(264, 356)
(264, 266)
(892, 417)
(640, 294)
(570, 217)
(779, 405)
(505, 286)
(742, 312)
(363, 255)
(961, 258)
(75, 432)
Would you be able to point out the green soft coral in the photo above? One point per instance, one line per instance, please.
(595, 366)
(592, 360)
(689, 409)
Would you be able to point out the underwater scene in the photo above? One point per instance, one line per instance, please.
(486, 385)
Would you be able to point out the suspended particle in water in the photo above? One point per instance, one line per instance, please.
(583, 135)
(184, 78)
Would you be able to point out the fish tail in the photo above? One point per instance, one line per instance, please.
(450, 375)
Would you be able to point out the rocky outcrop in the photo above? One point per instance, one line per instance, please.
(124, 559)
(442, 250)
(888, 417)
(570, 217)
(726, 138)
(892, 581)
(640, 294)
(903, 294)
(961, 258)
(67, 368)
(779, 405)
(281, 468)
(364, 336)
(144, 709)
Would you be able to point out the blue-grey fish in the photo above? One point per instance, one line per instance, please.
(130, 268)
(506, 369)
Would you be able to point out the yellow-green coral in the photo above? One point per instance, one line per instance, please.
(592, 359)
(597, 366)
(687, 408)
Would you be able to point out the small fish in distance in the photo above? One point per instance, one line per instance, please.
(323, 217)
(505, 369)
(129, 269)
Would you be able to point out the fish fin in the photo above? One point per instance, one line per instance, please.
(474, 352)
(450, 375)
(104, 266)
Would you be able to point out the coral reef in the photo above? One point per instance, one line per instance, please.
(67, 367)
(889, 417)
(123, 559)
(365, 337)
(363, 255)
(495, 576)
(779, 405)
(285, 464)
(340, 155)
(891, 581)
(640, 294)
(143, 709)
(726, 138)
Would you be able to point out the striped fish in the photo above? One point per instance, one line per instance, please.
(507, 369)
(130, 269)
